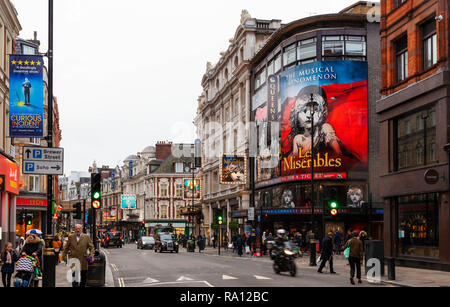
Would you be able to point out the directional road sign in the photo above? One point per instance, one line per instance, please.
(43, 161)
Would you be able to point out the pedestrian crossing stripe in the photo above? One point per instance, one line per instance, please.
(261, 277)
(228, 277)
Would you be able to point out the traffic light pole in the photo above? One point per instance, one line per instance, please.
(84, 216)
(49, 272)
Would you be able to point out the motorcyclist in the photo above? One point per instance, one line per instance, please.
(279, 241)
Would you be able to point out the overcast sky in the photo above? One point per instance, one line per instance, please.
(127, 73)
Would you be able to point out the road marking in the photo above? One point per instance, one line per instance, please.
(184, 278)
(181, 282)
(261, 277)
(121, 282)
(114, 267)
(228, 277)
(150, 280)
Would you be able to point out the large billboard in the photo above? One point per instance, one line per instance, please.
(128, 201)
(339, 92)
(233, 169)
(26, 96)
(191, 189)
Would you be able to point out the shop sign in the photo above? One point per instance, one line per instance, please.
(251, 214)
(241, 213)
(300, 177)
(11, 172)
(431, 176)
(31, 202)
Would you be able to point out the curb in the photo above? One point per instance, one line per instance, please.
(109, 278)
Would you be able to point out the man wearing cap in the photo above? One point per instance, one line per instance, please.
(327, 253)
(77, 246)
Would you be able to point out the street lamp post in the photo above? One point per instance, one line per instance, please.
(311, 105)
(49, 272)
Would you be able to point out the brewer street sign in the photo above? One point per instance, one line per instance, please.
(43, 161)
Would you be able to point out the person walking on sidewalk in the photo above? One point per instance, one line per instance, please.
(57, 246)
(200, 243)
(327, 253)
(33, 247)
(77, 246)
(214, 240)
(9, 258)
(239, 245)
(355, 258)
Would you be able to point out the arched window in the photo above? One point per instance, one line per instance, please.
(226, 74)
(236, 61)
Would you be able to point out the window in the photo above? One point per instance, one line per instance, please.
(401, 57)
(307, 49)
(164, 190)
(332, 45)
(28, 50)
(179, 167)
(35, 141)
(164, 211)
(418, 225)
(179, 190)
(289, 55)
(178, 211)
(355, 46)
(226, 74)
(33, 183)
(271, 67)
(416, 143)
(277, 63)
(399, 3)
(260, 78)
(429, 44)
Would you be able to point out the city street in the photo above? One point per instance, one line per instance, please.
(145, 268)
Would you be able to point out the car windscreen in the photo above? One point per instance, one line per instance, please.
(148, 239)
(166, 237)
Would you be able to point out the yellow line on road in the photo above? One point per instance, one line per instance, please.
(121, 282)
(114, 267)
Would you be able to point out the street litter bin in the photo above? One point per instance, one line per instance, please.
(97, 270)
(374, 249)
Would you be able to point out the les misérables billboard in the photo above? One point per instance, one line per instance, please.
(340, 121)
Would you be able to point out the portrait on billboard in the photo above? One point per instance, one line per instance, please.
(355, 196)
(192, 188)
(337, 122)
(128, 201)
(233, 169)
(287, 199)
(267, 167)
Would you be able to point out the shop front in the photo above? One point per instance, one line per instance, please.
(9, 189)
(31, 212)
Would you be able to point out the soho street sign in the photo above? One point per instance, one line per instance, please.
(43, 161)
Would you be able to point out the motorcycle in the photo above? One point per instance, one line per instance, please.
(283, 258)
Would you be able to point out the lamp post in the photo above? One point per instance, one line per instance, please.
(311, 106)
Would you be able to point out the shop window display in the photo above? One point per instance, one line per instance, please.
(418, 225)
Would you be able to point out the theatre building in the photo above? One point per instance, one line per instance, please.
(414, 121)
(334, 60)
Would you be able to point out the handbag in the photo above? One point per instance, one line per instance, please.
(347, 250)
(230, 245)
(247, 250)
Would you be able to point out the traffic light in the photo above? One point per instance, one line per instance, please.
(77, 211)
(334, 206)
(90, 215)
(29, 220)
(220, 219)
(96, 190)
(143, 223)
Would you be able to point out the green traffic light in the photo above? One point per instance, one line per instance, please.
(333, 205)
(219, 218)
(96, 195)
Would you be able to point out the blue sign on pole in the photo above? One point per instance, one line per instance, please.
(130, 168)
(26, 96)
(113, 182)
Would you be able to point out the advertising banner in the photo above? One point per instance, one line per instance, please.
(233, 169)
(339, 93)
(128, 201)
(192, 188)
(26, 96)
(11, 172)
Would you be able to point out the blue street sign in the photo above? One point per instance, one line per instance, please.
(29, 166)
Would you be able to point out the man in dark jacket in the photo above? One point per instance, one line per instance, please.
(327, 253)
(356, 256)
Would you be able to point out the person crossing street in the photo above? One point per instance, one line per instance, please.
(356, 256)
(327, 253)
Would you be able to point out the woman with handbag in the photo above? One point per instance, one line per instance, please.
(353, 250)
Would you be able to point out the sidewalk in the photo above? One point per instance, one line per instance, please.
(405, 277)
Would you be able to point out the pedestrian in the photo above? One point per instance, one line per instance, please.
(9, 258)
(355, 258)
(326, 253)
(308, 240)
(363, 237)
(200, 243)
(337, 242)
(348, 236)
(225, 241)
(239, 245)
(33, 247)
(57, 246)
(204, 241)
(77, 246)
(20, 245)
(214, 239)
(233, 241)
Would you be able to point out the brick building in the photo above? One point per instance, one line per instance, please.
(414, 118)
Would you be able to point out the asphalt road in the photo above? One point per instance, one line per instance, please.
(144, 268)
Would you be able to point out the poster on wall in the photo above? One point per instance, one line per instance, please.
(338, 90)
(355, 196)
(192, 188)
(128, 201)
(233, 169)
(26, 96)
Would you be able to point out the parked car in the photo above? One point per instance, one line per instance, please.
(166, 242)
(113, 239)
(146, 243)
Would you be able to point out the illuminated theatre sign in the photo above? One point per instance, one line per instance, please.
(339, 89)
